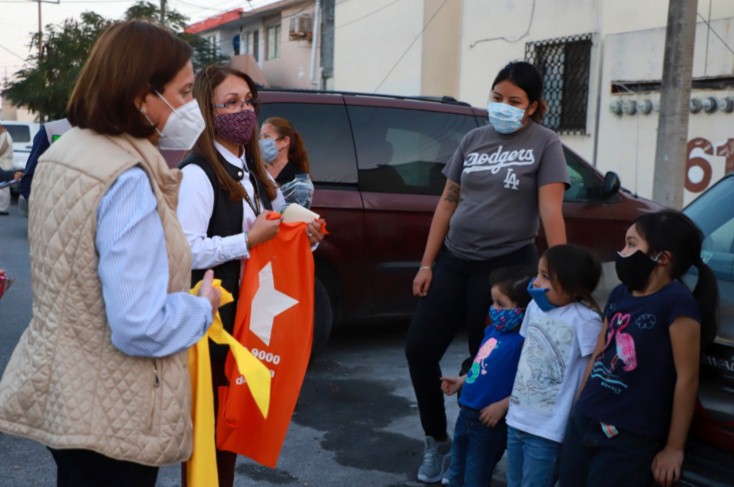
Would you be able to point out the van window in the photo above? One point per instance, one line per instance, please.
(19, 133)
(327, 136)
(404, 151)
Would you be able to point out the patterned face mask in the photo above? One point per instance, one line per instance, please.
(505, 319)
(505, 118)
(236, 127)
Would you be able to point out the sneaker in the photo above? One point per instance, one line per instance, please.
(436, 458)
(445, 479)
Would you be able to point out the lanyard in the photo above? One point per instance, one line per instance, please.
(255, 207)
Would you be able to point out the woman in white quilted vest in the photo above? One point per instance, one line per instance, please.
(100, 374)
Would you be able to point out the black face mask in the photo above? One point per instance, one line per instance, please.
(634, 270)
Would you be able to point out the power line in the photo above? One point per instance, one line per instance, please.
(715, 33)
(367, 15)
(11, 52)
(411, 45)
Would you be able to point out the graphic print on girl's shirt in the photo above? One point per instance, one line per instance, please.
(625, 359)
(478, 366)
(548, 347)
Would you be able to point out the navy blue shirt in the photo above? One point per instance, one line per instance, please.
(632, 383)
(40, 144)
(492, 373)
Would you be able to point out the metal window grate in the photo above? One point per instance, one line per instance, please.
(564, 64)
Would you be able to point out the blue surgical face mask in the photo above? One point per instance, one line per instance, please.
(268, 150)
(505, 118)
(539, 295)
(505, 319)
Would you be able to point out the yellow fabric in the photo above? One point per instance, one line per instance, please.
(201, 469)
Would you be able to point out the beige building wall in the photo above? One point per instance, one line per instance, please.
(292, 69)
(638, 56)
(441, 48)
(628, 39)
(374, 46)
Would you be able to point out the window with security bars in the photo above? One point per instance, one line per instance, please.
(564, 64)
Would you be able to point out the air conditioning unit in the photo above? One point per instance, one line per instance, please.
(301, 27)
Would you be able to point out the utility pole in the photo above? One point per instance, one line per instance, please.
(163, 12)
(40, 34)
(675, 90)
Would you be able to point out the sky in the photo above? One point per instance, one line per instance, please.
(19, 20)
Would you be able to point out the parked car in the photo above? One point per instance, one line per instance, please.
(22, 134)
(710, 451)
(376, 163)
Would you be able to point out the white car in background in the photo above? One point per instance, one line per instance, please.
(22, 134)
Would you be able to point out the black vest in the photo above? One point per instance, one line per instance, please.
(226, 220)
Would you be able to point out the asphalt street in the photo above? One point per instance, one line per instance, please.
(356, 422)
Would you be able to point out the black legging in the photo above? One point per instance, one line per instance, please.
(459, 293)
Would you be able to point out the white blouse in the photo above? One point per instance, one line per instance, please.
(195, 207)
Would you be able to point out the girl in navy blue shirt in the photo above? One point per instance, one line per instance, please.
(630, 423)
(480, 435)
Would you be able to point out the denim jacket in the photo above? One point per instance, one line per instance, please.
(297, 187)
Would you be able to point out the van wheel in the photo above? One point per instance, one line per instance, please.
(322, 317)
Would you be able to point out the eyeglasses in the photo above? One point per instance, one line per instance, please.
(232, 105)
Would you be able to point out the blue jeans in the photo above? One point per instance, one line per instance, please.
(589, 457)
(532, 461)
(475, 451)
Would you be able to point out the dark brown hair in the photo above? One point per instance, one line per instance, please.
(526, 77)
(296, 150)
(576, 270)
(128, 60)
(205, 83)
(513, 282)
(676, 233)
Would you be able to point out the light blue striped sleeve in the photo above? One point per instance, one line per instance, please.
(133, 266)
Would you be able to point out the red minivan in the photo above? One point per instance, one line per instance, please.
(376, 163)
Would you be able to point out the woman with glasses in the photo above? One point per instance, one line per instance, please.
(285, 154)
(224, 200)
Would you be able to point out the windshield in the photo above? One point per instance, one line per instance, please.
(713, 212)
(19, 133)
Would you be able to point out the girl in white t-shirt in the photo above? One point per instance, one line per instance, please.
(561, 327)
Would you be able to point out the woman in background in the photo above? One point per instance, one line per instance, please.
(284, 152)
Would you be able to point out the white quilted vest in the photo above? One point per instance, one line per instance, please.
(66, 385)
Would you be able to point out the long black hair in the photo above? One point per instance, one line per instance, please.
(527, 78)
(672, 231)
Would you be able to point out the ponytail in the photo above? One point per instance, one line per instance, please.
(297, 152)
(706, 294)
(539, 112)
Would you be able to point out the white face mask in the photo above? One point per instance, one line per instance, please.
(183, 128)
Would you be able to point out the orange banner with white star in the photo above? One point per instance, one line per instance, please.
(274, 321)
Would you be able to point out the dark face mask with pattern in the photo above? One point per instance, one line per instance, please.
(236, 127)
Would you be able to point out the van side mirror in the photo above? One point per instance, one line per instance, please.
(611, 185)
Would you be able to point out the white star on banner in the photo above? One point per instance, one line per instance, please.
(267, 304)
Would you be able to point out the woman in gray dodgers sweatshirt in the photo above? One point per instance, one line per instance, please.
(502, 181)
